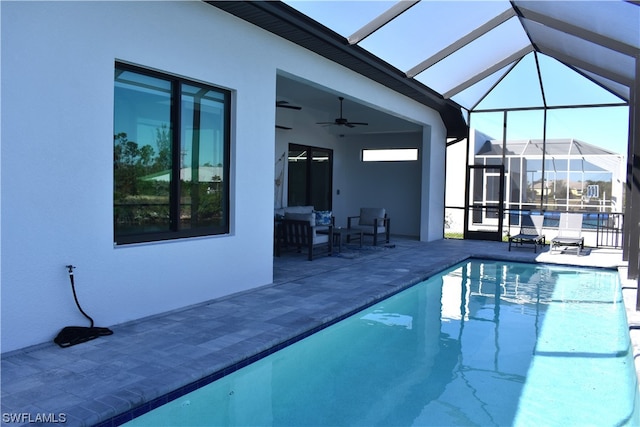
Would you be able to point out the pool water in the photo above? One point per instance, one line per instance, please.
(484, 343)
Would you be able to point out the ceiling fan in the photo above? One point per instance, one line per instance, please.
(285, 104)
(341, 121)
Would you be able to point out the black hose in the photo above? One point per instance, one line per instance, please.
(72, 335)
(75, 297)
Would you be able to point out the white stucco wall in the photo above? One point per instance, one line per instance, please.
(57, 156)
(433, 184)
(394, 186)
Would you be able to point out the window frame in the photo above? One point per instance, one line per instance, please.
(176, 125)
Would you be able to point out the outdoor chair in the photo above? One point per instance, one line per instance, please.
(372, 222)
(569, 232)
(530, 232)
(299, 231)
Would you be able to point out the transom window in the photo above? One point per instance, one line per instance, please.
(389, 155)
(171, 157)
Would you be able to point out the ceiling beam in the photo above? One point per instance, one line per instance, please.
(381, 20)
(462, 42)
(579, 32)
(488, 71)
(587, 66)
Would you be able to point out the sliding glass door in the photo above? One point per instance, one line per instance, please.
(310, 177)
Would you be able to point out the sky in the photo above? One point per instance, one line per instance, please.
(606, 127)
(415, 36)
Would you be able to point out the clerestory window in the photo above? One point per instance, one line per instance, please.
(171, 157)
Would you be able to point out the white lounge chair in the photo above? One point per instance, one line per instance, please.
(530, 232)
(569, 232)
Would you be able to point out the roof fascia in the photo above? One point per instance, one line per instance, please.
(487, 72)
(381, 20)
(462, 42)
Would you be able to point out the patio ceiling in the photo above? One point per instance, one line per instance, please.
(457, 54)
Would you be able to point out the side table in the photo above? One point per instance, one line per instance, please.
(340, 234)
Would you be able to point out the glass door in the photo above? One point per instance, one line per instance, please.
(310, 177)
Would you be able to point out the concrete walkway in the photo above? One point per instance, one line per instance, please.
(111, 379)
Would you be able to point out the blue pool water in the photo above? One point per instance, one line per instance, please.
(485, 343)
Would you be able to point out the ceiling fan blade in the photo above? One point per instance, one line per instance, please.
(283, 127)
(285, 104)
(359, 123)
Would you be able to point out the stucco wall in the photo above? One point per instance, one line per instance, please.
(57, 156)
(394, 186)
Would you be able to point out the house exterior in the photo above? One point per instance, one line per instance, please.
(60, 109)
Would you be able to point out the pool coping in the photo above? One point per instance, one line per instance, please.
(395, 287)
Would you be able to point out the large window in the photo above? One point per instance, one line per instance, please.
(171, 157)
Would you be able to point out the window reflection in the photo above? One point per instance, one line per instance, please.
(170, 157)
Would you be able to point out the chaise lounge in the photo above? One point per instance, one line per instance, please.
(569, 232)
(530, 232)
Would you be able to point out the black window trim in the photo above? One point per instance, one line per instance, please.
(174, 233)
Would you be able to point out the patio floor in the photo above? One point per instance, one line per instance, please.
(94, 382)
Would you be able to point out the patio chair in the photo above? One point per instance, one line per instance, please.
(299, 231)
(372, 222)
(569, 232)
(530, 232)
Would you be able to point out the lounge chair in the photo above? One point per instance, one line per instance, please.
(569, 232)
(530, 232)
(299, 231)
(372, 222)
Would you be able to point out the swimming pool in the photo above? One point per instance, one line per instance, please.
(483, 343)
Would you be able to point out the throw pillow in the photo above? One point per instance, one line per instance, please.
(323, 217)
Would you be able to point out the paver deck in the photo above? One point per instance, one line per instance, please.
(97, 381)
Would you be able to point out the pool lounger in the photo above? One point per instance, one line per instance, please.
(520, 239)
(557, 242)
(530, 232)
(569, 232)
